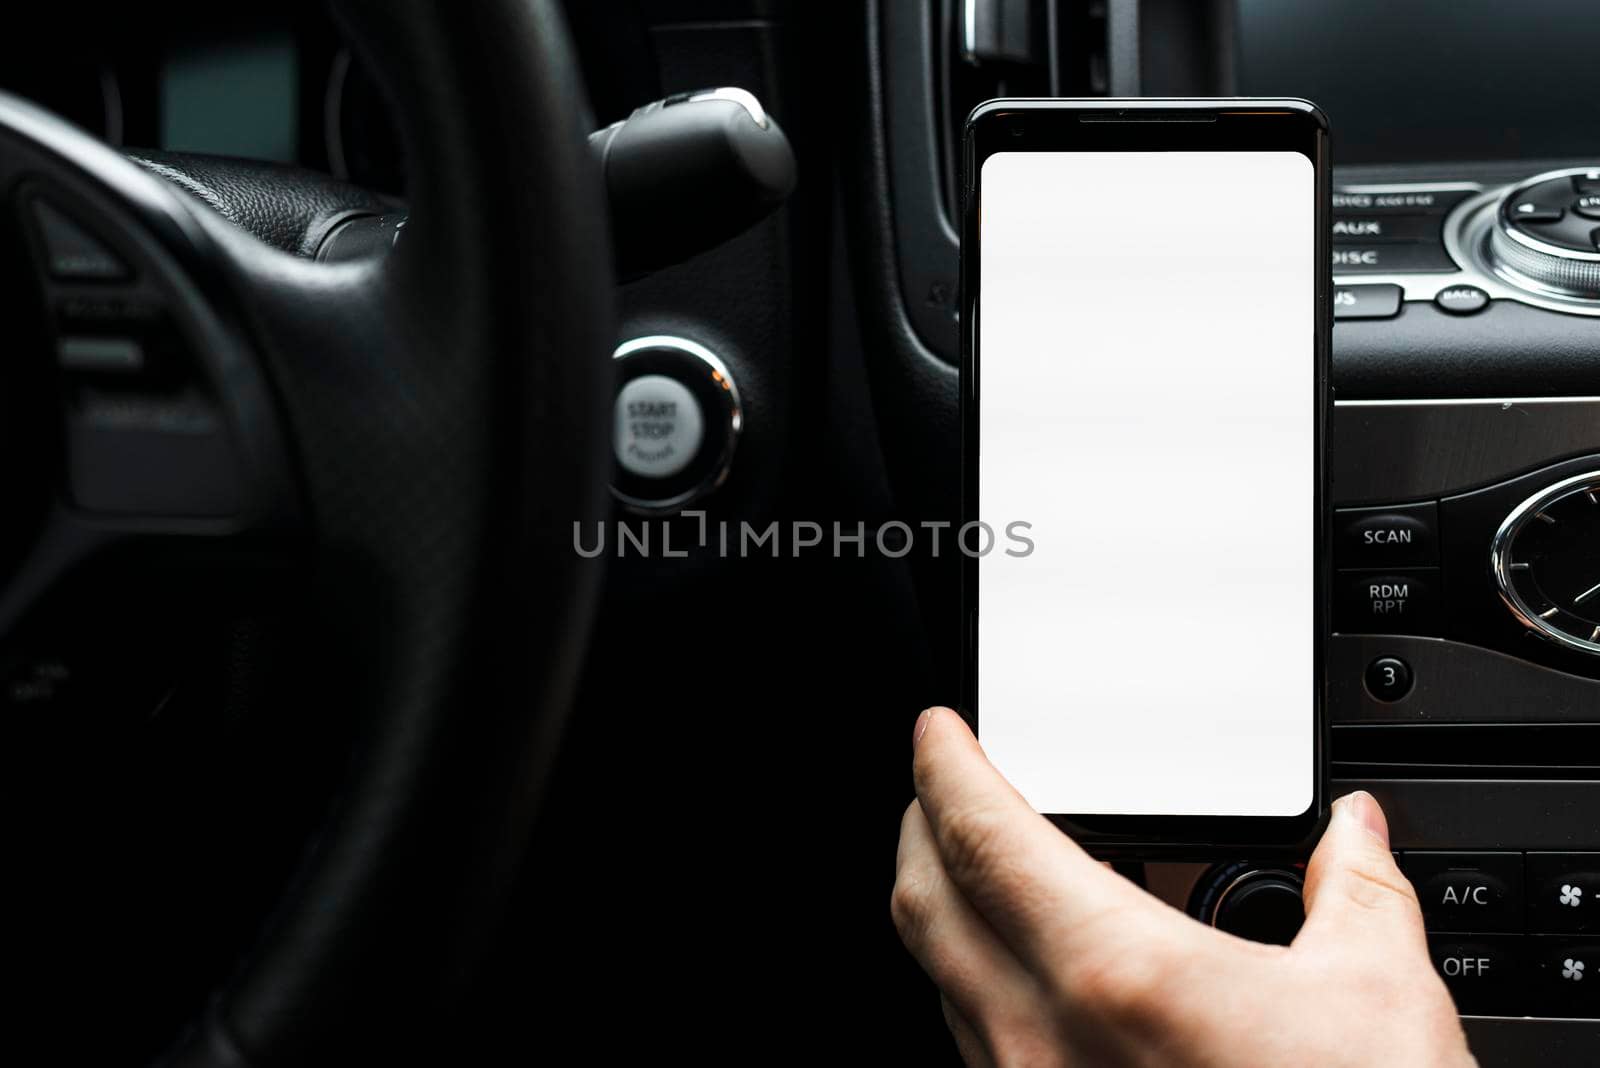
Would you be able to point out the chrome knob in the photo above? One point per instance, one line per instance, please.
(1547, 233)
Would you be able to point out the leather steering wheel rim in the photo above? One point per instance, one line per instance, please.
(446, 412)
(505, 279)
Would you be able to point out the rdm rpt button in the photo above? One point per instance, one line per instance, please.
(658, 426)
(1387, 602)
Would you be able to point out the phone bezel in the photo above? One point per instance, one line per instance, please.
(1157, 125)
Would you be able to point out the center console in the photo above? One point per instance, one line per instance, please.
(1464, 673)
(1463, 677)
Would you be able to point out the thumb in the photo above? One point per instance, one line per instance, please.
(1354, 891)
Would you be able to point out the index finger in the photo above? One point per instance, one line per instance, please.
(1034, 885)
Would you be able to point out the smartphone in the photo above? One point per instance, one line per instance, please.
(1146, 326)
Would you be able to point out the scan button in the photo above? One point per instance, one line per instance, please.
(1402, 535)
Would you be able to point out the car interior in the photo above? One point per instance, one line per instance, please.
(392, 684)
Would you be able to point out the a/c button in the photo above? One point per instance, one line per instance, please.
(1467, 891)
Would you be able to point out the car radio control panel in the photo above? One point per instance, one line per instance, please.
(1462, 244)
(1463, 669)
(1513, 567)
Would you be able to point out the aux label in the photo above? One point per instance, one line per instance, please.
(1358, 228)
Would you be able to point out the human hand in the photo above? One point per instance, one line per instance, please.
(1046, 957)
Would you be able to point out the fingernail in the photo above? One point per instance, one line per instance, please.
(1363, 808)
(922, 726)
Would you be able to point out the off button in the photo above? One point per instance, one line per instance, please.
(1482, 972)
(658, 427)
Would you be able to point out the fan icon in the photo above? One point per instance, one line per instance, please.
(1571, 895)
(1572, 969)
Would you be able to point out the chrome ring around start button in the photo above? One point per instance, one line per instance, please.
(677, 417)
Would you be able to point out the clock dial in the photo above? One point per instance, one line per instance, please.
(1547, 563)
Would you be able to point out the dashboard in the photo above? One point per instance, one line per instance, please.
(1429, 80)
(1463, 677)
(277, 84)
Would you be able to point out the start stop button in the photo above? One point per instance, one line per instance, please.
(658, 426)
(676, 420)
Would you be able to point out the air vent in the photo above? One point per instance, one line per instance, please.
(990, 48)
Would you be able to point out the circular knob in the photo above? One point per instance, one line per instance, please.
(1546, 563)
(676, 420)
(1547, 233)
(1261, 904)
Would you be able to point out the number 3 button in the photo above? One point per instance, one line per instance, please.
(1388, 678)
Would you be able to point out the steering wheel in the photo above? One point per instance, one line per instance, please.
(419, 433)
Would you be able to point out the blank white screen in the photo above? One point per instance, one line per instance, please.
(1147, 368)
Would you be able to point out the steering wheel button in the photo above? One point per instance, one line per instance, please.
(1587, 182)
(100, 355)
(1588, 206)
(658, 426)
(74, 254)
